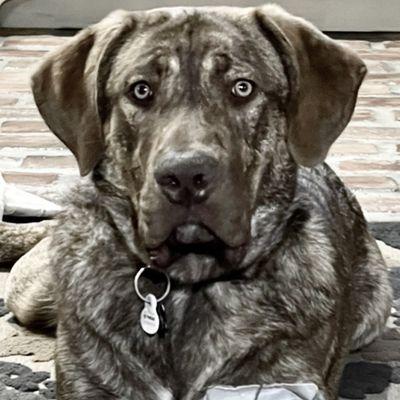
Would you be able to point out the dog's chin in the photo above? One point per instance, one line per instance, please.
(193, 254)
(194, 268)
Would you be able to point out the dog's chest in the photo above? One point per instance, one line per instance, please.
(215, 331)
(206, 330)
(212, 331)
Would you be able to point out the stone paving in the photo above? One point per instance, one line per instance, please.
(367, 156)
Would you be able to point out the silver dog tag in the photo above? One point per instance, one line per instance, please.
(149, 319)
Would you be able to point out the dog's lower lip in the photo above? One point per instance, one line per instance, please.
(196, 240)
(163, 256)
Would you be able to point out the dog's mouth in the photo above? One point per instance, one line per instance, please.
(194, 241)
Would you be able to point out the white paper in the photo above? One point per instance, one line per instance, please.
(279, 391)
(19, 203)
(2, 187)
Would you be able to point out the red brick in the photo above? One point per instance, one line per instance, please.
(16, 112)
(382, 203)
(379, 67)
(370, 182)
(380, 55)
(357, 44)
(21, 53)
(387, 79)
(375, 89)
(14, 77)
(8, 101)
(392, 44)
(363, 114)
(49, 162)
(23, 126)
(382, 76)
(29, 179)
(371, 133)
(8, 87)
(20, 64)
(368, 101)
(370, 165)
(352, 148)
(34, 41)
(25, 140)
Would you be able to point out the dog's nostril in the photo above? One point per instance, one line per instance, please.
(199, 181)
(169, 181)
(172, 181)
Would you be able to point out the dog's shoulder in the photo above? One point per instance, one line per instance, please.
(91, 230)
(330, 199)
(336, 227)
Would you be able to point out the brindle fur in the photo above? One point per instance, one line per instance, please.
(311, 284)
(17, 239)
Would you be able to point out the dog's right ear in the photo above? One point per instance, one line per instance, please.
(67, 87)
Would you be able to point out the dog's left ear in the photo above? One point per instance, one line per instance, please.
(324, 79)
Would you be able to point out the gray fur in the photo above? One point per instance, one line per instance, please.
(17, 239)
(306, 283)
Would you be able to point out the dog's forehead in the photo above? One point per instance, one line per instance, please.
(215, 41)
(188, 30)
(179, 23)
(181, 11)
(174, 12)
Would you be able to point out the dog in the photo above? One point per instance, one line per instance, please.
(204, 133)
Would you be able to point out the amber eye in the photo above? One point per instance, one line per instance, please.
(140, 91)
(242, 88)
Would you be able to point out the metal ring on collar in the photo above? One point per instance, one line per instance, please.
(136, 284)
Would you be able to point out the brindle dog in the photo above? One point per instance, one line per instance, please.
(205, 131)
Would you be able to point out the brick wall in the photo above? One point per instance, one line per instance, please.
(367, 156)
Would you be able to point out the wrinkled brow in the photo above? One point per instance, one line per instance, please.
(159, 62)
(217, 62)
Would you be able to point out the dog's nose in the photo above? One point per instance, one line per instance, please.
(186, 178)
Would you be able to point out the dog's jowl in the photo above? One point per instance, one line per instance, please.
(204, 133)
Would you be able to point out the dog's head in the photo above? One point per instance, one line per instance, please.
(199, 116)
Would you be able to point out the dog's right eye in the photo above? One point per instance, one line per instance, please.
(140, 91)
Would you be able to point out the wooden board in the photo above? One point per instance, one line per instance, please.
(328, 15)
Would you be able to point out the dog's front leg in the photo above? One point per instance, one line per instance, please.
(75, 384)
(100, 371)
(72, 385)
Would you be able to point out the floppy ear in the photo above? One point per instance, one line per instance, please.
(324, 79)
(67, 87)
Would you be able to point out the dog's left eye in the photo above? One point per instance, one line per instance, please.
(242, 88)
(140, 91)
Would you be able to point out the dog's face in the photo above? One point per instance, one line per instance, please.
(195, 114)
(193, 103)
